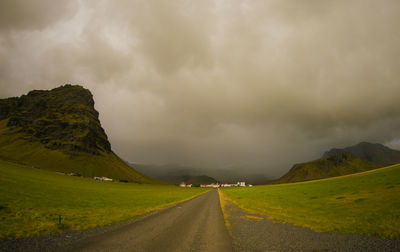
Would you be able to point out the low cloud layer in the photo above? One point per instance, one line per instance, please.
(256, 85)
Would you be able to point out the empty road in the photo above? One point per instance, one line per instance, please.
(198, 225)
(194, 225)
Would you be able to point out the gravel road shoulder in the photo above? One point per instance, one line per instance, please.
(252, 232)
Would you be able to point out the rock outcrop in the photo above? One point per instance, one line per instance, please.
(59, 130)
(63, 118)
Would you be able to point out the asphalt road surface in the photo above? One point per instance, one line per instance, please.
(195, 225)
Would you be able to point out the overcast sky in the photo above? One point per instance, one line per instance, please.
(257, 85)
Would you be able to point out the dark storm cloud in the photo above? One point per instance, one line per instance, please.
(255, 84)
(31, 15)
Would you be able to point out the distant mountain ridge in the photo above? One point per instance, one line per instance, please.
(175, 173)
(373, 152)
(337, 162)
(59, 130)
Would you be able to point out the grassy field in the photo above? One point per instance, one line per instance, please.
(14, 148)
(31, 201)
(365, 203)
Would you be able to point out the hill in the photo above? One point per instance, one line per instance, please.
(365, 203)
(336, 162)
(373, 152)
(330, 166)
(59, 130)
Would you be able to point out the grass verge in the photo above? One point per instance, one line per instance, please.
(366, 203)
(222, 202)
(31, 201)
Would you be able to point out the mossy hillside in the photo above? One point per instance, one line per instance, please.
(330, 166)
(31, 201)
(16, 149)
(365, 203)
(62, 118)
(59, 130)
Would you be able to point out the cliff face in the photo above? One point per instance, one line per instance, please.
(63, 118)
(59, 130)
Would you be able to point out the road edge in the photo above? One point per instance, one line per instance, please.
(59, 241)
(222, 203)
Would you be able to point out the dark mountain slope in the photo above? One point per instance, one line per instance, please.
(376, 153)
(331, 166)
(336, 162)
(59, 130)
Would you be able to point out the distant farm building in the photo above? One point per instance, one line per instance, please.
(103, 178)
(211, 185)
(241, 184)
(183, 184)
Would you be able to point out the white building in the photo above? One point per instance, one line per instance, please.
(226, 185)
(103, 178)
(211, 185)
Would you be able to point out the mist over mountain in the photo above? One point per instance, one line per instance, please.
(177, 173)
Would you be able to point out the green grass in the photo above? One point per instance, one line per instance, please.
(32, 199)
(15, 148)
(366, 203)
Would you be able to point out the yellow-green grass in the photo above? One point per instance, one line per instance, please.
(31, 201)
(15, 148)
(365, 203)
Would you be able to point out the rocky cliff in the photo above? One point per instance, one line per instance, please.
(59, 130)
(63, 118)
